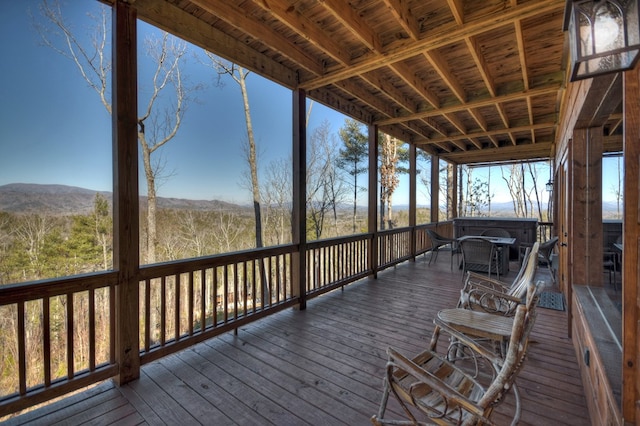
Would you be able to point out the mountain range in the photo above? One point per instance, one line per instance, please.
(65, 200)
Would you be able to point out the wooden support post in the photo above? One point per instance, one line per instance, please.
(435, 189)
(631, 241)
(299, 210)
(373, 199)
(126, 218)
(452, 191)
(586, 212)
(412, 196)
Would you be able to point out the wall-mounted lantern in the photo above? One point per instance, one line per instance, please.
(604, 36)
(549, 186)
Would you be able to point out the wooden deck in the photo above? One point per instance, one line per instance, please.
(322, 366)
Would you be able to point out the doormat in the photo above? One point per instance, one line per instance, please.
(551, 300)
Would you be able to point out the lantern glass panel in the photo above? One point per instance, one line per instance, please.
(604, 36)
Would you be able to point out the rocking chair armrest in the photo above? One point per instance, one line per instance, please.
(397, 361)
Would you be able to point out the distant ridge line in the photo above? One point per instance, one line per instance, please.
(60, 199)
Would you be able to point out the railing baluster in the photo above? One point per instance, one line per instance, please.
(163, 310)
(46, 340)
(214, 284)
(235, 290)
(92, 329)
(147, 315)
(112, 324)
(190, 314)
(203, 299)
(245, 285)
(225, 307)
(177, 284)
(278, 280)
(70, 345)
(22, 353)
(258, 271)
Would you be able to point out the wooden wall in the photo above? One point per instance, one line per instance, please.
(586, 106)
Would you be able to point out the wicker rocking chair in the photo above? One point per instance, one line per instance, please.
(482, 293)
(433, 390)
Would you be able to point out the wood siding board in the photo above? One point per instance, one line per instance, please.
(631, 242)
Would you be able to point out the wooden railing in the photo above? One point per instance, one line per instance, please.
(180, 303)
(58, 335)
(394, 246)
(185, 302)
(544, 231)
(335, 262)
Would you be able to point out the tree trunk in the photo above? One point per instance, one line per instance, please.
(255, 185)
(253, 162)
(152, 234)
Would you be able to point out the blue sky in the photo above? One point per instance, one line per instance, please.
(53, 128)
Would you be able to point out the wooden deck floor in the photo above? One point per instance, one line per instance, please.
(322, 366)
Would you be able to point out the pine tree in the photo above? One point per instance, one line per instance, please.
(352, 156)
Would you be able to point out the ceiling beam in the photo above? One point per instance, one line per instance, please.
(345, 14)
(288, 15)
(540, 150)
(488, 133)
(522, 54)
(549, 90)
(442, 68)
(236, 17)
(401, 11)
(440, 37)
(457, 10)
(409, 77)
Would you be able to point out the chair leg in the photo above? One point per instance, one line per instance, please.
(434, 255)
(383, 405)
(552, 272)
(516, 394)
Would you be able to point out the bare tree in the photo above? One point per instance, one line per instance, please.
(239, 75)
(324, 186)
(228, 230)
(474, 195)
(162, 115)
(277, 193)
(514, 179)
(533, 192)
(31, 231)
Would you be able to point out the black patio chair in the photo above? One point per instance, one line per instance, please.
(478, 254)
(439, 242)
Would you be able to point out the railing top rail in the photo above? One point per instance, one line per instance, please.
(193, 264)
(20, 292)
(395, 231)
(337, 240)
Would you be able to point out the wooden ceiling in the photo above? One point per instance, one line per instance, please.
(470, 80)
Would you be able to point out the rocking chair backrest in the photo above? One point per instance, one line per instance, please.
(519, 287)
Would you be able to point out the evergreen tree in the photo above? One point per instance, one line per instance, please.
(353, 155)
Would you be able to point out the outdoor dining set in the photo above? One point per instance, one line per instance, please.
(461, 378)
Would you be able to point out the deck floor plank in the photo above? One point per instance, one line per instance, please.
(325, 365)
